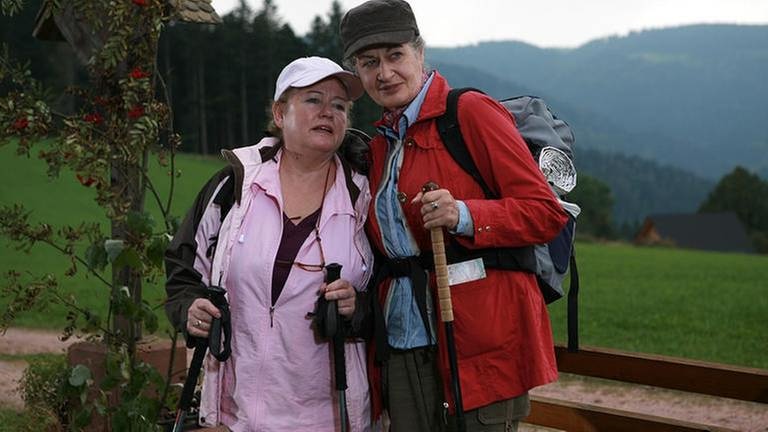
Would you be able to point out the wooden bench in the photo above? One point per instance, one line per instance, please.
(746, 384)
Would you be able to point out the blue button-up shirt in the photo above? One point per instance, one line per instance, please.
(404, 324)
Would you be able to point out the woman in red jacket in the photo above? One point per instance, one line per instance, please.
(502, 330)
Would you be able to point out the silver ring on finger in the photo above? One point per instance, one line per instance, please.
(198, 324)
(435, 205)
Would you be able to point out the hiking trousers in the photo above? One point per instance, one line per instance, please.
(414, 392)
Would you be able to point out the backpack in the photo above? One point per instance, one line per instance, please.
(550, 141)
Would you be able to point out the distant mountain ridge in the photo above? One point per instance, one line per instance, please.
(695, 97)
(659, 115)
(634, 181)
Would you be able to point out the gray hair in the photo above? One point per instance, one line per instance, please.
(417, 44)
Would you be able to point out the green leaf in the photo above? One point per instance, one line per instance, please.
(156, 250)
(120, 421)
(150, 318)
(83, 417)
(141, 223)
(114, 248)
(101, 408)
(96, 256)
(128, 258)
(125, 370)
(79, 376)
(93, 321)
(175, 222)
(109, 382)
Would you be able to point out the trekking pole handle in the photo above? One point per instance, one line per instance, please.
(220, 348)
(332, 273)
(335, 332)
(441, 265)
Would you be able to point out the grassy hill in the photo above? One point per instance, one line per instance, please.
(709, 306)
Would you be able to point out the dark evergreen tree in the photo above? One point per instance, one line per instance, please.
(324, 40)
(323, 37)
(596, 202)
(221, 78)
(745, 194)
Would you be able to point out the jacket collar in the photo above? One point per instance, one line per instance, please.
(435, 102)
(244, 160)
(433, 106)
(245, 157)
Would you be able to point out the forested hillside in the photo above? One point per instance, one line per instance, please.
(641, 187)
(634, 181)
(694, 97)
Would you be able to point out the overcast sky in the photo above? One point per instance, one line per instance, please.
(545, 23)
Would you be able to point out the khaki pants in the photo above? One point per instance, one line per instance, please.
(414, 392)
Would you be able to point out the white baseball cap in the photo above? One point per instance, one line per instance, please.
(306, 71)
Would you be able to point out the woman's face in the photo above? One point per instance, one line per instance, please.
(392, 76)
(314, 118)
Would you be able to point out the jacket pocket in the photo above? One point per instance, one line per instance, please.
(482, 318)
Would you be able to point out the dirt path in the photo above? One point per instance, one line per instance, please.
(741, 416)
(17, 341)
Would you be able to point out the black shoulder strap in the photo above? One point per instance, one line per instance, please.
(225, 197)
(450, 133)
(354, 190)
(573, 306)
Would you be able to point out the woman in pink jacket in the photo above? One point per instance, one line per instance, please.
(264, 228)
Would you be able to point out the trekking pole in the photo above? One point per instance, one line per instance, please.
(446, 313)
(336, 335)
(216, 296)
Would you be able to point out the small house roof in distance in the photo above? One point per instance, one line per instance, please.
(705, 231)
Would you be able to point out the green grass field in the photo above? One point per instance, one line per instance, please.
(63, 201)
(699, 305)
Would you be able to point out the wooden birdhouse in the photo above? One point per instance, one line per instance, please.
(63, 24)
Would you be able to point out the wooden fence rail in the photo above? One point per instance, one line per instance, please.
(747, 384)
(577, 417)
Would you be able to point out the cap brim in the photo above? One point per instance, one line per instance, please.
(351, 83)
(386, 38)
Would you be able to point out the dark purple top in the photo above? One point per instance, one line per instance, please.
(293, 237)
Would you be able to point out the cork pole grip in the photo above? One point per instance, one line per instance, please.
(446, 313)
(441, 267)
